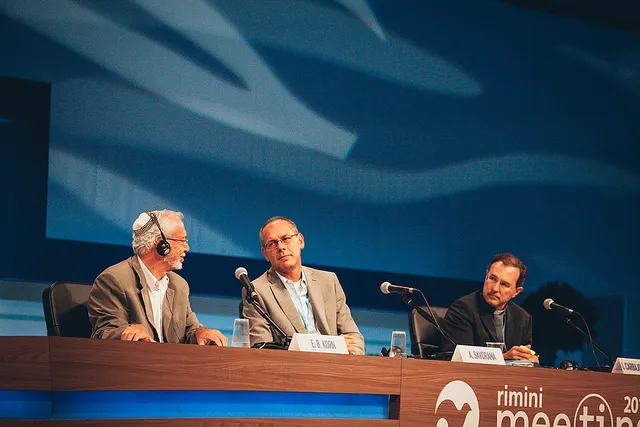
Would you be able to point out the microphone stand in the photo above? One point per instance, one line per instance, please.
(589, 339)
(407, 299)
(284, 340)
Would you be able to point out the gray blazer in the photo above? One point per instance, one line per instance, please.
(328, 303)
(120, 296)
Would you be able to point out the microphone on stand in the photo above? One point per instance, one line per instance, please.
(550, 304)
(387, 288)
(406, 292)
(243, 276)
(252, 297)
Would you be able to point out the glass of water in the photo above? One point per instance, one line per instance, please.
(240, 337)
(496, 344)
(398, 344)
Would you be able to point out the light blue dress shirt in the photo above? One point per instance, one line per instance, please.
(300, 297)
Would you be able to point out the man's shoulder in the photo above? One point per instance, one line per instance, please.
(177, 280)
(264, 279)
(315, 273)
(468, 300)
(124, 267)
(517, 310)
(121, 276)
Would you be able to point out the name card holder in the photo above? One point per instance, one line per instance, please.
(626, 366)
(318, 344)
(476, 354)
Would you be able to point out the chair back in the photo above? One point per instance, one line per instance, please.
(65, 309)
(426, 340)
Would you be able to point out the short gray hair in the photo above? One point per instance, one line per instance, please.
(144, 241)
(274, 219)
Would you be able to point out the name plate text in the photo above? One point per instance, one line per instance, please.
(626, 366)
(476, 354)
(318, 344)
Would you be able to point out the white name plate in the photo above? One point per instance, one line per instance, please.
(318, 344)
(476, 354)
(626, 366)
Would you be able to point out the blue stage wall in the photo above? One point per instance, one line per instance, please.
(411, 141)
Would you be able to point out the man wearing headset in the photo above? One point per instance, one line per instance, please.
(141, 298)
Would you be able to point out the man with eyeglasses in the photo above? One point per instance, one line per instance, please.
(489, 315)
(299, 299)
(141, 298)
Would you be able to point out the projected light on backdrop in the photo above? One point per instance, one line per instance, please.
(365, 121)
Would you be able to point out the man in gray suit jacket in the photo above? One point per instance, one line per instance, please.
(299, 299)
(141, 298)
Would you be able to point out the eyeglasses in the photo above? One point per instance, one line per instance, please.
(494, 279)
(185, 241)
(286, 240)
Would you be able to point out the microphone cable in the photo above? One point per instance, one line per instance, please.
(435, 319)
(593, 350)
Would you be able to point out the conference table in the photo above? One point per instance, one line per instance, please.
(57, 381)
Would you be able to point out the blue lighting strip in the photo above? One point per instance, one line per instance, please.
(25, 404)
(216, 404)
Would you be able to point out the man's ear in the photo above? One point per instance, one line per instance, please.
(301, 240)
(518, 290)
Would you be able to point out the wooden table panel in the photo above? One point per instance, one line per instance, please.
(83, 364)
(496, 395)
(230, 422)
(505, 392)
(24, 363)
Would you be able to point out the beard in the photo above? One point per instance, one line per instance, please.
(174, 263)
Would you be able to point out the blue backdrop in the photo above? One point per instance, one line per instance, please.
(407, 137)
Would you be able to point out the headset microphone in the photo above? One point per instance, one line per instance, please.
(163, 248)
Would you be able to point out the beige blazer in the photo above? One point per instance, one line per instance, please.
(120, 296)
(328, 303)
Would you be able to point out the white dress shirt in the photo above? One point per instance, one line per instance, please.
(157, 291)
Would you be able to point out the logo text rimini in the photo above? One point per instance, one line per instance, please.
(523, 407)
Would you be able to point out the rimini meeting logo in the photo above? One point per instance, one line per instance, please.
(526, 406)
(464, 399)
(595, 410)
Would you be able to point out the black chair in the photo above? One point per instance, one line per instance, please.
(65, 309)
(426, 340)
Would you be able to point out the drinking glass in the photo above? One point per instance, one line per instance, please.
(496, 344)
(240, 337)
(398, 344)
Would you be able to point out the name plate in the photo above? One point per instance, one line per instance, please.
(626, 366)
(318, 344)
(476, 354)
